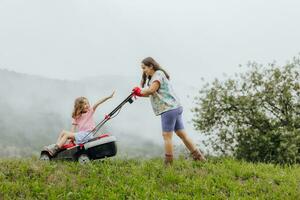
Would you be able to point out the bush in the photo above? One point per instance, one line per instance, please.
(254, 116)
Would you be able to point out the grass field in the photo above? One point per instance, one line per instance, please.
(224, 178)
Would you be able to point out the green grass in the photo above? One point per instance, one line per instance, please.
(147, 179)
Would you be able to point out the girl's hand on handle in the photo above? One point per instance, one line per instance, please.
(137, 91)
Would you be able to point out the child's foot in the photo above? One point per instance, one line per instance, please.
(168, 159)
(197, 155)
(53, 149)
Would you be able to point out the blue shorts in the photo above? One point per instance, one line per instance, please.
(80, 137)
(172, 120)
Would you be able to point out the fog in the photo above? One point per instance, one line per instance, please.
(72, 48)
(73, 39)
(35, 109)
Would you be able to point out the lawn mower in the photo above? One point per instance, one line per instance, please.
(100, 146)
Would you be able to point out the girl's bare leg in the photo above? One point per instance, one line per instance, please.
(197, 155)
(60, 136)
(65, 135)
(168, 147)
(186, 140)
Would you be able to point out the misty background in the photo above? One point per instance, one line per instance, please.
(35, 109)
(54, 51)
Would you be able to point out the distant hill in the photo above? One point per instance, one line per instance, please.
(35, 109)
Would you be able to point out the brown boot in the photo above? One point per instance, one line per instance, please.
(168, 159)
(197, 155)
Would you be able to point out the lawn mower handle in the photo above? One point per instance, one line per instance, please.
(128, 99)
(108, 117)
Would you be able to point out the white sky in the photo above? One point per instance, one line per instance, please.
(73, 39)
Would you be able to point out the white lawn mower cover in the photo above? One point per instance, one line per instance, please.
(100, 142)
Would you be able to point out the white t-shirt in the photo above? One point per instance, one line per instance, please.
(164, 99)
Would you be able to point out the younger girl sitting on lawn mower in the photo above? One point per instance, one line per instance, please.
(82, 121)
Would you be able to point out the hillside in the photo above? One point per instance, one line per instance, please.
(147, 179)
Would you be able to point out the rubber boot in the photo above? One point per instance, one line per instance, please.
(168, 159)
(197, 155)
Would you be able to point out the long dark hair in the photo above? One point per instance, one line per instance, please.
(150, 62)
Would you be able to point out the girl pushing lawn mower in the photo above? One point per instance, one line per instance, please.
(82, 122)
(166, 104)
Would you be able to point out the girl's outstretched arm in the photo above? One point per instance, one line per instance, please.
(102, 101)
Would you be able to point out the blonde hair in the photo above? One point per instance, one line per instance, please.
(78, 107)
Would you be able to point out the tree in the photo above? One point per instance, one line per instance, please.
(255, 115)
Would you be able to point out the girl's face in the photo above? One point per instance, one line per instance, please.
(149, 71)
(86, 106)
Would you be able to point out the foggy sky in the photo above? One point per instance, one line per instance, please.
(73, 39)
